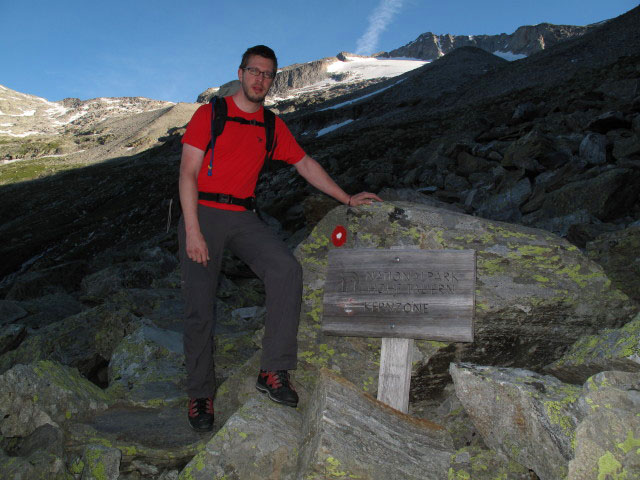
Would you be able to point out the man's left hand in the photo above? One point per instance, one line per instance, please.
(363, 198)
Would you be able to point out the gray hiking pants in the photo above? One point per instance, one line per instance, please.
(251, 240)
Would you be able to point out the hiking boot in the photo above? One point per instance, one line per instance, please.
(278, 387)
(201, 414)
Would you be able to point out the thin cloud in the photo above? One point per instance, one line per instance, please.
(378, 21)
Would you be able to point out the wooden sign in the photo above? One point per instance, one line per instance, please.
(420, 294)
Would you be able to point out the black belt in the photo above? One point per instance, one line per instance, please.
(248, 203)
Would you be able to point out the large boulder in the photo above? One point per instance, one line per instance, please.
(259, 441)
(535, 294)
(10, 336)
(612, 349)
(85, 340)
(47, 309)
(147, 368)
(38, 465)
(619, 255)
(530, 418)
(101, 463)
(45, 392)
(617, 192)
(481, 464)
(349, 434)
(148, 438)
(607, 441)
(10, 312)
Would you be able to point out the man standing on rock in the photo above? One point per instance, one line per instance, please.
(218, 210)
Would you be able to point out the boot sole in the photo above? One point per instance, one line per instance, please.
(200, 430)
(266, 391)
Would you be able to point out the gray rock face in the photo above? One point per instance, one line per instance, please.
(350, 434)
(97, 286)
(619, 255)
(101, 463)
(147, 368)
(46, 437)
(609, 185)
(37, 465)
(259, 441)
(10, 336)
(47, 309)
(300, 75)
(158, 437)
(479, 464)
(528, 417)
(607, 440)
(10, 312)
(84, 341)
(525, 40)
(612, 349)
(45, 392)
(593, 148)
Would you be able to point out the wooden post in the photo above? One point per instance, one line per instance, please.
(395, 372)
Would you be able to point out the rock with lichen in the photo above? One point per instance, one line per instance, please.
(349, 434)
(535, 293)
(619, 254)
(159, 437)
(608, 439)
(39, 464)
(84, 341)
(612, 349)
(481, 464)
(45, 392)
(529, 418)
(147, 368)
(101, 463)
(260, 440)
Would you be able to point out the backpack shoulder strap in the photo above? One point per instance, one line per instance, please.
(218, 121)
(270, 131)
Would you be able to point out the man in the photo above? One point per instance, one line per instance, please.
(219, 218)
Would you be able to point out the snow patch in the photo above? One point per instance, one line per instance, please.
(369, 68)
(25, 134)
(349, 102)
(509, 55)
(333, 127)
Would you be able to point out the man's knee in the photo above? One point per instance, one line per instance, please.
(288, 267)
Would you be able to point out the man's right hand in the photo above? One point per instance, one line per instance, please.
(197, 248)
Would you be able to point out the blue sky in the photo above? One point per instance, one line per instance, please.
(170, 50)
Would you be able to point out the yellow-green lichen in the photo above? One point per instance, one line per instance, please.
(95, 464)
(581, 279)
(506, 233)
(368, 382)
(630, 443)
(76, 467)
(609, 468)
(482, 306)
(556, 408)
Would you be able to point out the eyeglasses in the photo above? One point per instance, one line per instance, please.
(256, 73)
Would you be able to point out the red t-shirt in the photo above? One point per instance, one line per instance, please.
(240, 152)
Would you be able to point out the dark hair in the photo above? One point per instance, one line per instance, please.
(262, 51)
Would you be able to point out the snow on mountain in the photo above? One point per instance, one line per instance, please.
(24, 115)
(347, 69)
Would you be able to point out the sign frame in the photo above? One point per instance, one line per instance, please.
(400, 293)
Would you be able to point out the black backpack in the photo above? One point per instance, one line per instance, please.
(219, 118)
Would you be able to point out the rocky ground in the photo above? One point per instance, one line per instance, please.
(533, 164)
